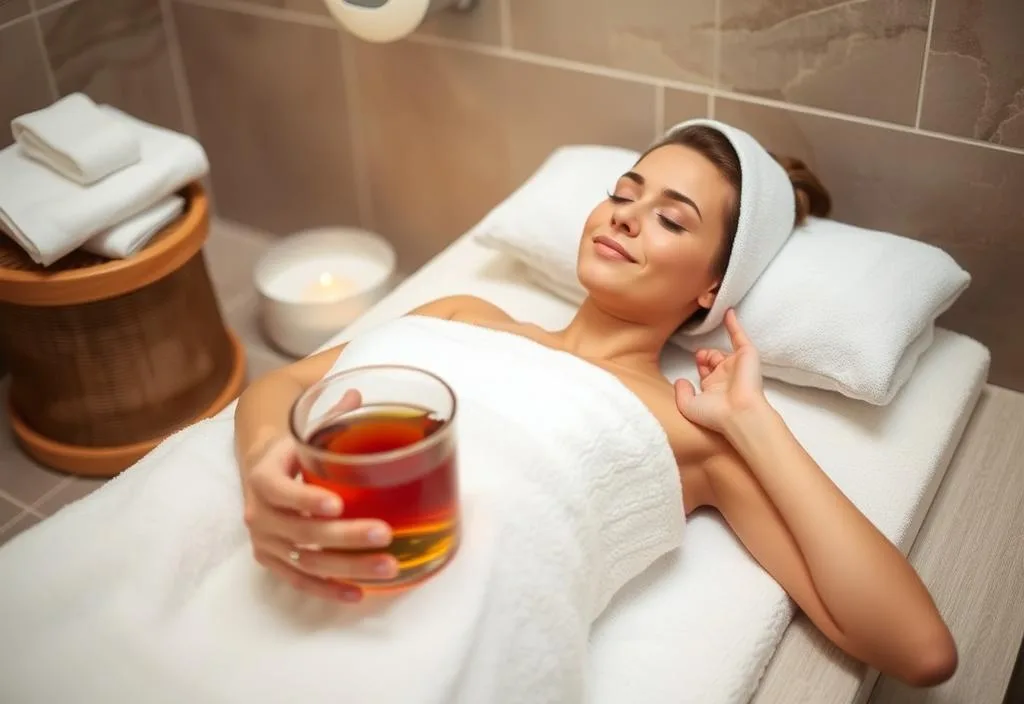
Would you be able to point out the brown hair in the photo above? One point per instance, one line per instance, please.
(811, 196)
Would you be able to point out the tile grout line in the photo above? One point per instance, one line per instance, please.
(55, 6)
(269, 13)
(554, 62)
(21, 504)
(53, 491)
(866, 121)
(180, 78)
(505, 24)
(924, 64)
(356, 134)
(51, 78)
(716, 59)
(17, 20)
(14, 519)
(620, 74)
(607, 72)
(659, 111)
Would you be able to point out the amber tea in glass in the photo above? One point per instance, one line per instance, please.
(390, 455)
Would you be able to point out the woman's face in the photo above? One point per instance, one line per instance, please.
(648, 251)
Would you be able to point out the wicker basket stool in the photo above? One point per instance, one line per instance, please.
(109, 357)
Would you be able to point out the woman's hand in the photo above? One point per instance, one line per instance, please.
(295, 533)
(730, 382)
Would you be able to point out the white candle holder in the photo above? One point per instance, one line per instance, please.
(314, 283)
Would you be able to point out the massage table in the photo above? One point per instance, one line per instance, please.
(891, 461)
(963, 465)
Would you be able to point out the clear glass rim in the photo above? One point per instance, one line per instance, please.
(378, 457)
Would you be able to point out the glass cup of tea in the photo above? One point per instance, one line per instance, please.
(389, 453)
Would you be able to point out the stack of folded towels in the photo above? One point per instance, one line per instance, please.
(81, 175)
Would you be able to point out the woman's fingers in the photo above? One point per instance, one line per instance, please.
(736, 332)
(284, 492)
(309, 584)
(355, 534)
(350, 400)
(330, 564)
(708, 361)
(703, 367)
(272, 479)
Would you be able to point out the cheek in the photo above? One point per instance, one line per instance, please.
(679, 259)
(599, 216)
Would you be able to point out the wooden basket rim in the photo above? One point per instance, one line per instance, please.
(170, 250)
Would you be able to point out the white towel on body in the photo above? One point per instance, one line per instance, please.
(767, 214)
(76, 139)
(130, 236)
(50, 216)
(568, 486)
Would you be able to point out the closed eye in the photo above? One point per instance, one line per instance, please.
(667, 223)
(670, 224)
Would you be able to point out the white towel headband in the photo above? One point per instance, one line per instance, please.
(767, 215)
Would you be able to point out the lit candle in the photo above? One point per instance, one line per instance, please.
(314, 284)
(328, 287)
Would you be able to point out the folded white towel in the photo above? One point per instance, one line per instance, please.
(76, 139)
(569, 489)
(50, 216)
(124, 240)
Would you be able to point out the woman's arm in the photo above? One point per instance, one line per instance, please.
(839, 569)
(263, 408)
(848, 578)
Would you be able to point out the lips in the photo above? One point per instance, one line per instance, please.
(612, 244)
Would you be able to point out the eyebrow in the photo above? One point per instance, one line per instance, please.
(668, 192)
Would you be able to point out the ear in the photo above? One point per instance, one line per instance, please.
(707, 299)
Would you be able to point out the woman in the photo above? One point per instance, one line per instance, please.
(653, 256)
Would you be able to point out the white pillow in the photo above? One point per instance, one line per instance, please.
(840, 307)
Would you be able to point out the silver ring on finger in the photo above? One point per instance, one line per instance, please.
(294, 556)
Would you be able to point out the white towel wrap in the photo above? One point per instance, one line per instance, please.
(569, 490)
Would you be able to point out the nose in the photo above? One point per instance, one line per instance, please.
(626, 219)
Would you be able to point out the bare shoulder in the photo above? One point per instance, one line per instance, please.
(691, 444)
(461, 307)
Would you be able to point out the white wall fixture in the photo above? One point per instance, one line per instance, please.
(389, 20)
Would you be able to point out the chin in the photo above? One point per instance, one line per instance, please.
(600, 281)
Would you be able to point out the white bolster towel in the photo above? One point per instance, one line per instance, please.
(50, 216)
(76, 139)
(569, 489)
